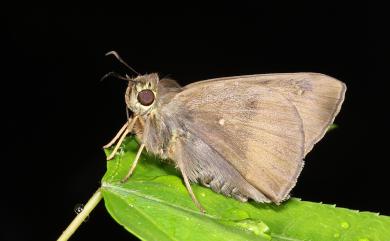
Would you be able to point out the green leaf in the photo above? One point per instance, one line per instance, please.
(332, 127)
(154, 205)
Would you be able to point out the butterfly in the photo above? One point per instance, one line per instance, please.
(243, 136)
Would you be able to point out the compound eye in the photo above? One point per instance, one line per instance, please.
(145, 97)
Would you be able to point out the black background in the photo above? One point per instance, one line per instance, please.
(58, 114)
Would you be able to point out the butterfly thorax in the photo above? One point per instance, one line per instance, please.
(146, 96)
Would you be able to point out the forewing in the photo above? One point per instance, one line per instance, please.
(255, 129)
(317, 97)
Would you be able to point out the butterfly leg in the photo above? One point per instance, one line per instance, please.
(189, 189)
(127, 131)
(176, 152)
(117, 135)
(135, 162)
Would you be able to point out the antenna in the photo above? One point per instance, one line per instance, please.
(116, 75)
(121, 60)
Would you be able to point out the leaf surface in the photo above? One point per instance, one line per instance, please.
(155, 205)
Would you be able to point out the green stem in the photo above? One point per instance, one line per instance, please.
(79, 219)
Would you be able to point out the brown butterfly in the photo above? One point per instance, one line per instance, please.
(242, 136)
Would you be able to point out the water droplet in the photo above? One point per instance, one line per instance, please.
(336, 235)
(257, 227)
(344, 225)
(78, 208)
(203, 194)
(363, 239)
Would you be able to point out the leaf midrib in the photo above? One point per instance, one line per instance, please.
(151, 198)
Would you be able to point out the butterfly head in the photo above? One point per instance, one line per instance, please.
(141, 93)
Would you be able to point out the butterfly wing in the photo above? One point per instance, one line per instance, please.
(317, 97)
(246, 136)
